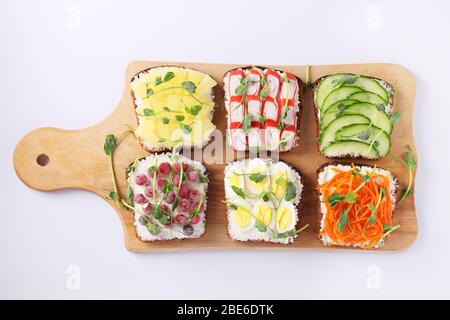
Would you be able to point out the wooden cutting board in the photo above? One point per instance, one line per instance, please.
(49, 159)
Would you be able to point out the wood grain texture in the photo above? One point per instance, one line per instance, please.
(77, 160)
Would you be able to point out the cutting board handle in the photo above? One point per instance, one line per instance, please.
(50, 159)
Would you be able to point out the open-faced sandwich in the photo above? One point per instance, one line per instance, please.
(355, 115)
(263, 108)
(168, 192)
(356, 205)
(262, 198)
(174, 106)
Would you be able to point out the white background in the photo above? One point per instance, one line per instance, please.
(62, 65)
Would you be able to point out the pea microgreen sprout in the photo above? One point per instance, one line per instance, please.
(152, 227)
(147, 112)
(388, 229)
(196, 210)
(373, 209)
(411, 164)
(110, 145)
(189, 86)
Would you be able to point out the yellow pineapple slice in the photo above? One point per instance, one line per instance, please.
(176, 116)
(139, 88)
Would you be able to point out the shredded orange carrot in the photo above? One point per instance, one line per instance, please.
(358, 230)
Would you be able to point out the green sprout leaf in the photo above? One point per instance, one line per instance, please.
(257, 177)
(335, 198)
(264, 92)
(149, 92)
(372, 218)
(148, 112)
(349, 79)
(411, 164)
(291, 191)
(395, 118)
(202, 178)
(247, 123)
(189, 86)
(185, 128)
(364, 135)
(409, 159)
(343, 218)
(129, 194)
(260, 226)
(152, 228)
(238, 191)
(110, 144)
(262, 119)
(113, 196)
(168, 76)
(350, 197)
(158, 81)
(167, 187)
(341, 108)
(380, 107)
(193, 110)
(240, 89)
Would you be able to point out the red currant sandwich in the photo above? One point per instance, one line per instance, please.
(168, 194)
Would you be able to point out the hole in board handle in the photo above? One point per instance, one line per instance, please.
(42, 160)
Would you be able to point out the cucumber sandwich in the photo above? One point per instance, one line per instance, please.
(355, 115)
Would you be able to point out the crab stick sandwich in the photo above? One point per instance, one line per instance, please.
(263, 108)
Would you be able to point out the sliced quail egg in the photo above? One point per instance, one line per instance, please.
(279, 179)
(263, 212)
(286, 216)
(241, 213)
(234, 177)
(257, 178)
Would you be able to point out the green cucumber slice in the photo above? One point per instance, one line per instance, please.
(369, 97)
(339, 94)
(328, 135)
(350, 148)
(324, 87)
(335, 108)
(341, 103)
(378, 118)
(371, 85)
(372, 135)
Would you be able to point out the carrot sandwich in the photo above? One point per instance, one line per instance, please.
(356, 205)
(262, 107)
(174, 107)
(168, 193)
(262, 198)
